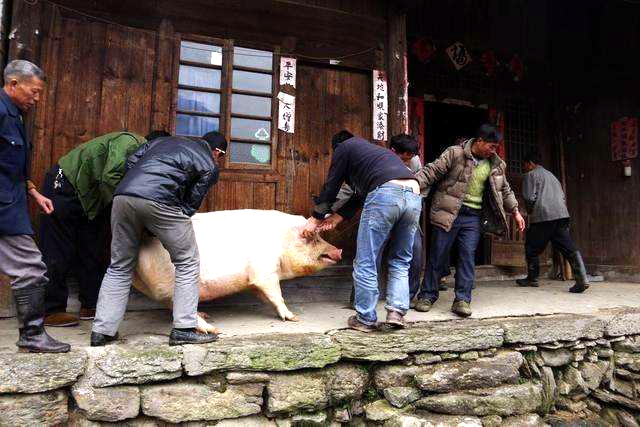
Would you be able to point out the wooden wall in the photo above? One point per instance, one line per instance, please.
(111, 65)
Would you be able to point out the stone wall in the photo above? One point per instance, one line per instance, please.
(534, 371)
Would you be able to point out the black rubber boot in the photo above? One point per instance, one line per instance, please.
(33, 337)
(579, 273)
(533, 273)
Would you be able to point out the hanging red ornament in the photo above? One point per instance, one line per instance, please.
(423, 49)
(516, 67)
(489, 62)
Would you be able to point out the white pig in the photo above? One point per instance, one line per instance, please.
(239, 250)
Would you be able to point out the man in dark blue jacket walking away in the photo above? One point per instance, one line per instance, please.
(165, 183)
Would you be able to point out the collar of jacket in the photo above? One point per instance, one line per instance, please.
(11, 107)
(496, 161)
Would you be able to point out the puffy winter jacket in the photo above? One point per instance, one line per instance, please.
(452, 172)
(175, 171)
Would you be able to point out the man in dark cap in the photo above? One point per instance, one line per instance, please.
(473, 196)
(165, 183)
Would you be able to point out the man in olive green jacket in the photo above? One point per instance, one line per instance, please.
(73, 238)
(472, 196)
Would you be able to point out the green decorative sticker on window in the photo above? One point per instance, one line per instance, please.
(261, 152)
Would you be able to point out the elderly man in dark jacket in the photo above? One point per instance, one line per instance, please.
(472, 194)
(20, 258)
(165, 183)
(548, 222)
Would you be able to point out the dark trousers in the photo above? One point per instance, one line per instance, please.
(539, 234)
(71, 243)
(465, 233)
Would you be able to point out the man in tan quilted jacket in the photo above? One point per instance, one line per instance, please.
(473, 196)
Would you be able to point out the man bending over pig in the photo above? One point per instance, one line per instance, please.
(165, 183)
(391, 211)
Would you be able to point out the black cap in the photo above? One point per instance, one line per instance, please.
(489, 133)
(215, 140)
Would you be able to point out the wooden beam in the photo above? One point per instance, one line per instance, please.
(397, 71)
(163, 81)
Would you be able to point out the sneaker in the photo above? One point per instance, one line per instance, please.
(423, 305)
(526, 282)
(395, 319)
(190, 336)
(354, 323)
(62, 319)
(87, 313)
(461, 308)
(98, 339)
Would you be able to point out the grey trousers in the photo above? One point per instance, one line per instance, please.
(129, 217)
(21, 260)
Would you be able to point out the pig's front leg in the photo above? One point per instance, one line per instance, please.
(268, 289)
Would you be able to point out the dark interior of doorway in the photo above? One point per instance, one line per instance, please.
(444, 124)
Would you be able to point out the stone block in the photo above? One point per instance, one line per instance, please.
(401, 396)
(40, 409)
(504, 401)
(297, 392)
(120, 364)
(593, 373)
(426, 359)
(455, 336)
(39, 372)
(251, 421)
(192, 401)
(629, 345)
(548, 329)
(612, 398)
(314, 390)
(628, 361)
(318, 419)
(268, 352)
(432, 420)
(108, 403)
(622, 321)
(482, 373)
(247, 377)
(556, 358)
(492, 421)
(526, 420)
(380, 410)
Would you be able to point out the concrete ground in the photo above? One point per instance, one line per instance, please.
(491, 299)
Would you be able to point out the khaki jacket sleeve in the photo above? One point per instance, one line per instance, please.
(434, 171)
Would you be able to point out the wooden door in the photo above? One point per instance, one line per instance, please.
(328, 100)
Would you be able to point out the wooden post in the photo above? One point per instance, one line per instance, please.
(163, 82)
(397, 71)
(7, 309)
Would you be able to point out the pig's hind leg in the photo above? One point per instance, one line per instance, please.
(268, 290)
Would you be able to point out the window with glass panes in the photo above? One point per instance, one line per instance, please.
(239, 78)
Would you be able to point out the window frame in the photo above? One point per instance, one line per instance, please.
(226, 93)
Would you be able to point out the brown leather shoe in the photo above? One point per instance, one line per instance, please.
(62, 319)
(87, 313)
(395, 319)
(354, 323)
(461, 308)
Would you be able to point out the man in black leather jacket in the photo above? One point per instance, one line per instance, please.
(166, 180)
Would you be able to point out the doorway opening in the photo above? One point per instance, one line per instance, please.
(444, 125)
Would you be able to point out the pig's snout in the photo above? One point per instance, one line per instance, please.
(333, 256)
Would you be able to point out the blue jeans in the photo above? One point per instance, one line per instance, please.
(416, 263)
(390, 212)
(465, 232)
